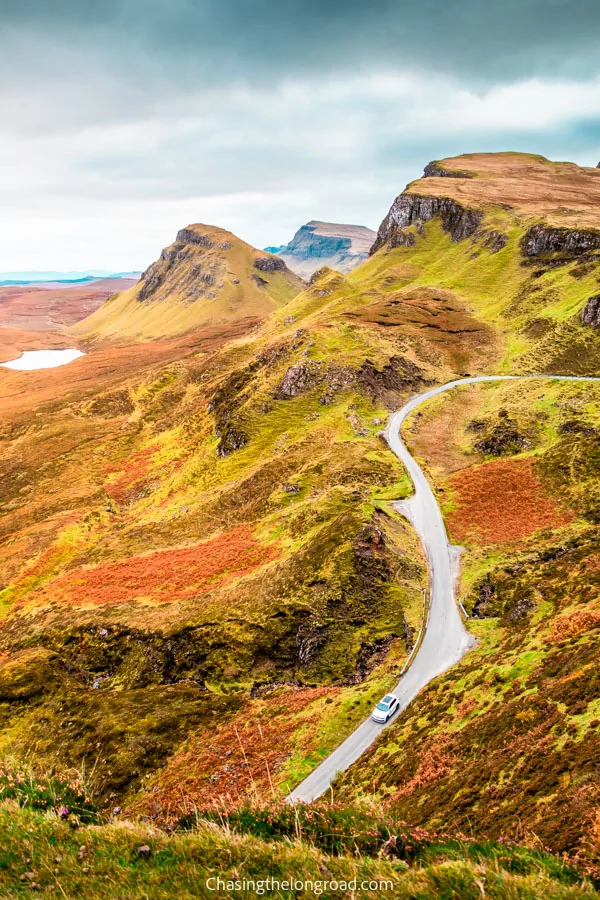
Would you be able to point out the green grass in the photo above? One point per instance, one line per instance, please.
(39, 853)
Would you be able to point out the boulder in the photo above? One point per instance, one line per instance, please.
(269, 264)
(591, 312)
(296, 380)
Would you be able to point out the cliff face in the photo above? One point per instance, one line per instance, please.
(546, 239)
(413, 209)
(319, 244)
(435, 170)
(590, 315)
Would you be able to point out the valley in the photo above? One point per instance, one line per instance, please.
(209, 572)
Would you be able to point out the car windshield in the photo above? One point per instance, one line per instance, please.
(383, 706)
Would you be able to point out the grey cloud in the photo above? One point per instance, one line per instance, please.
(124, 119)
(219, 41)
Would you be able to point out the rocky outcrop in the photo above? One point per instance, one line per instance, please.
(153, 278)
(341, 247)
(197, 275)
(502, 436)
(398, 376)
(549, 239)
(310, 638)
(225, 405)
(416, 209)
(435, 170)
(232, 438)
(189, 236)
(503, 440)
(591, 312)
(495, 241)
(269, 264)
(297, 380)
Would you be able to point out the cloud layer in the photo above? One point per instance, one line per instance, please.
(124, 120)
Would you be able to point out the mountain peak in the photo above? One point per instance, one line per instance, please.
(528, 184)
(206, 276)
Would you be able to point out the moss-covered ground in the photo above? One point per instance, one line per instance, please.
(508, 742)
(204, 586)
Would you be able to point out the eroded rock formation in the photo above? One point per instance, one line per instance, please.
(591, 312)
(416, 209)
(549, 239)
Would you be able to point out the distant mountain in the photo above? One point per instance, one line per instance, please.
(319, 244)
(207, 276)
(22, 278)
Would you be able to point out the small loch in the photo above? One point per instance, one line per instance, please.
(32, 360)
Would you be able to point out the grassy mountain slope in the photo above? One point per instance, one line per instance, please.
(508, 741)
(205, 584)
(333, 853)
(206, 277)
(223, 542)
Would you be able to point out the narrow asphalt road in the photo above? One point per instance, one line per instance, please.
(445, 640)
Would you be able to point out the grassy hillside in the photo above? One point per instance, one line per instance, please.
(507, 742)
(330, 851)
(204, 583)
(208, 276)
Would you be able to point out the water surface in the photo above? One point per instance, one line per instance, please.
(42, 359)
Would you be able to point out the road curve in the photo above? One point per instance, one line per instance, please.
(445, 640)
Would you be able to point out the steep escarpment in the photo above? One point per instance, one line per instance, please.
(563, 194)
(318, 244)
(206, 277)
(414, 210)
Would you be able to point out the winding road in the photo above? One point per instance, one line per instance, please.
(445, 640)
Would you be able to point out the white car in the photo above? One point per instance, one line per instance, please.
(386, 708)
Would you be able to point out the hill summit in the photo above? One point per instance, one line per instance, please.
(560, 200)
(207, 276)
(319, 244)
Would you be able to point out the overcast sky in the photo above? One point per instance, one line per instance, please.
(123, 120)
